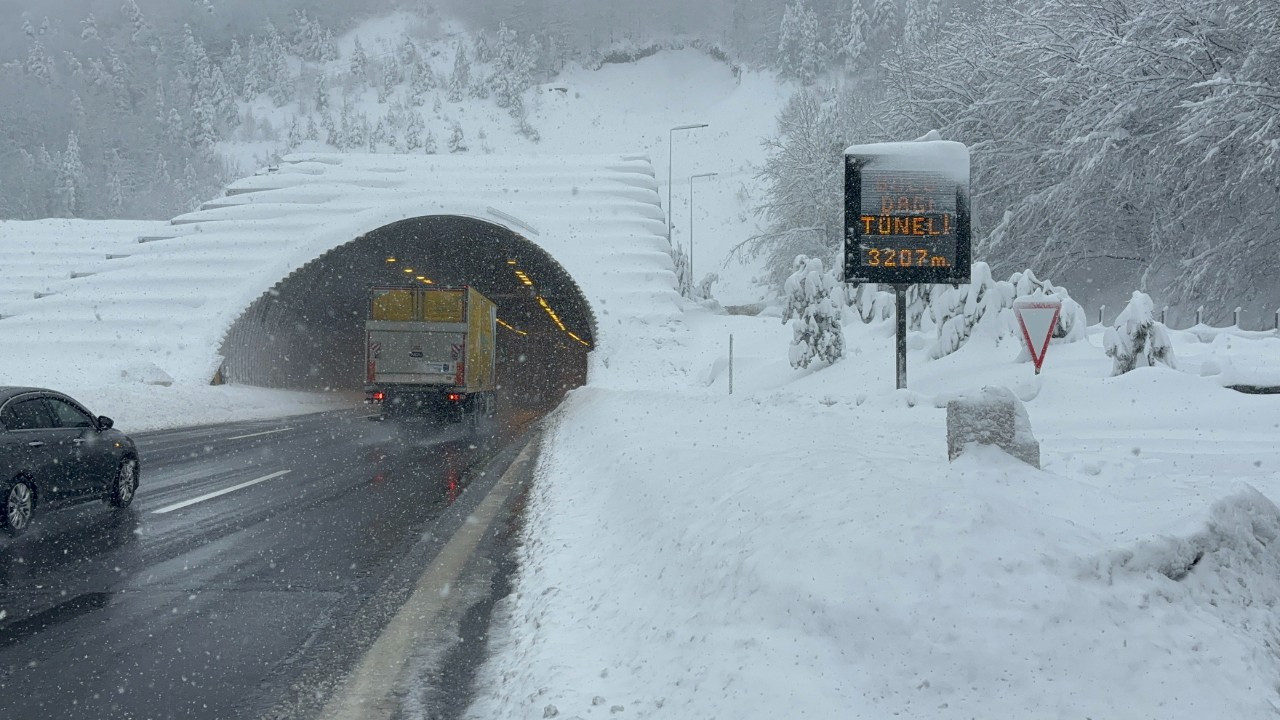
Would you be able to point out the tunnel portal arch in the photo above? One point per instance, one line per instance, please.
(307, 331)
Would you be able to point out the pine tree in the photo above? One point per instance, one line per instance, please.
(812, 308)
(854, 43)
(313, 132)
(413, 132)
(277, 71)
(254, 82)
(70, 178)
(513, 68)
(461, 77)
(115, 196)
(457, 141)
(429, 143)
(89, 29)
(295, 134)
(884, 14)
(233, 68)
(800, 53)
(1137, 340)
(321, 100)
(359, 65)
(175, 130)
(140, 32)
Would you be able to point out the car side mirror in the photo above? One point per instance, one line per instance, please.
(105, 423)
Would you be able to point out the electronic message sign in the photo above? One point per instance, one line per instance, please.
(907, 213)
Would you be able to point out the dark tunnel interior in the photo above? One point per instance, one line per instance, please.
(307, 333)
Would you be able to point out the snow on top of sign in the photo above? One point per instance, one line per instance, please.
(946, 157)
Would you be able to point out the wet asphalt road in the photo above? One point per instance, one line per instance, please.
(216, 608)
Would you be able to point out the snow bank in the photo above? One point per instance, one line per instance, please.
(803, 548)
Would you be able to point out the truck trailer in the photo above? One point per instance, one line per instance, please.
(431, 352)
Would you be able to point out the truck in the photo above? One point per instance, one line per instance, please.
(431, 351)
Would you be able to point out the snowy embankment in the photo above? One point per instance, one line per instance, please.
(43, 256)
(803, 548)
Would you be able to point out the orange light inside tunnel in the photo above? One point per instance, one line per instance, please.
(505, 325)
(391, 259)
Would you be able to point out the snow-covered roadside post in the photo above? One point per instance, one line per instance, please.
(906, 208)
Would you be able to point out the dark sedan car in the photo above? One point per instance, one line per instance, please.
(55, 452)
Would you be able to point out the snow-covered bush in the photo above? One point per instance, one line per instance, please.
(1137, 340)
(872, 303)
(814, 311)
(957, 311)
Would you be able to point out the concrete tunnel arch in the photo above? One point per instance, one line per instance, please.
(306, 331)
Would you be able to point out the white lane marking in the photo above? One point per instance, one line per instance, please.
(367, 693)
(265, 432)
(216, 493)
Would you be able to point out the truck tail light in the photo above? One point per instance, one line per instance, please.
(377, 396)
(455, 397)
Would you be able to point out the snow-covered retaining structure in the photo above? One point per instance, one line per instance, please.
(169, 298)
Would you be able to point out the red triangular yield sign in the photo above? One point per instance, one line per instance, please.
(1037, 318)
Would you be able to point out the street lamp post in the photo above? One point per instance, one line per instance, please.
(670, 159)
(691, 179)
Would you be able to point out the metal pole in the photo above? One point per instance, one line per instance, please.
(901, 301)
(1102, 309)
(1277, 320)
(1164, 315)
(730, 363)
(1235, 317)
(1200, 315)
(670, 160)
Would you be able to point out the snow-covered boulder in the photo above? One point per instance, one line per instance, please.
(994, 416)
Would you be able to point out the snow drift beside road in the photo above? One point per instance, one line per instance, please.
(804, 549)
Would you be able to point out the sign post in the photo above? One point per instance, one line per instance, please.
(906, 210)
(1037, 316)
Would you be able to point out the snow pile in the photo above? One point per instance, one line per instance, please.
(803, 548)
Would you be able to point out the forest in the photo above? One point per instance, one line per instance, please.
(1114, 141)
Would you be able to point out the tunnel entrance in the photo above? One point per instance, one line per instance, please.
(307, 332)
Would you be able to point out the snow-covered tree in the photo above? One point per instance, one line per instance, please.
(71, 178)
(457, 140)
(1137, 340)
(359, 64)
(460, 80)
(853, 42)
(311, 41)
(413, 131)
(958, 311)
(800, 50)
(320, 99)
(814, 312)
(513, 67)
